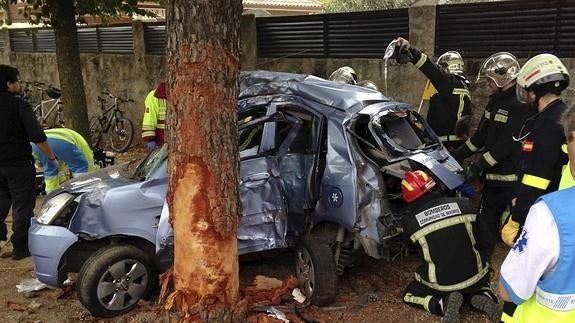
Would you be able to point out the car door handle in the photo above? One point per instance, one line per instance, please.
(255, 180)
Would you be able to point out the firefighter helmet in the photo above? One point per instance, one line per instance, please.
(539, 70)
(345, 75)
(502, 68)
(415, 184)
(451, 62)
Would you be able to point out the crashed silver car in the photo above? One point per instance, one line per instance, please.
(320, 170)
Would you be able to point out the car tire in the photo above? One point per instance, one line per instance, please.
(316, 271)
(114, 279)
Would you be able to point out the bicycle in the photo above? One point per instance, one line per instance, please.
(45, 108)
(112, 118)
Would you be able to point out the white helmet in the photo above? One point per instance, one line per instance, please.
(451, 62)
(502, 68)
(345, 75)
(539, 70)
(369, 84)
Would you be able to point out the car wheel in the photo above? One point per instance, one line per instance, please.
(114, 279)
(316, 271)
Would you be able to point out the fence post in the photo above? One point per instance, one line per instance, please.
(422, 25)
(139, 41)
(248, 43)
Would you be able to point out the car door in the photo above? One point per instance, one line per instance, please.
(262, 191)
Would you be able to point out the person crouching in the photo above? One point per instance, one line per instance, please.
(450, 237)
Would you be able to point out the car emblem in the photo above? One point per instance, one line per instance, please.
(335, 197)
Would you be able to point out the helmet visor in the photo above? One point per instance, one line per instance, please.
(521, 93)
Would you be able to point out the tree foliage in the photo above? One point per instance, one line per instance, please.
(363, 5)
(42, 11)
(370, 5)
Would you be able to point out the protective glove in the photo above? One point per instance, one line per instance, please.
(53, 163)
(474, 172)
(403, 55)
(510, 232)
(151, 145)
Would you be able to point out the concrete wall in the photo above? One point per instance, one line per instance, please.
(136, 74)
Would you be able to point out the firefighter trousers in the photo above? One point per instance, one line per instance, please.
(494, 201)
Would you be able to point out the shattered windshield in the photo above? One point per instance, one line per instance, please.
(151, 163)
(401, 130)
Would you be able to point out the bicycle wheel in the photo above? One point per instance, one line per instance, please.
(121, 134)
(95, 132)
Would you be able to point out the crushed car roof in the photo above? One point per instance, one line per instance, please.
(344, 97)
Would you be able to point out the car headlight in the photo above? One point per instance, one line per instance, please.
(53, 208)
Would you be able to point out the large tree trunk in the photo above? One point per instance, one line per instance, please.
(69, 68)
(203, 71)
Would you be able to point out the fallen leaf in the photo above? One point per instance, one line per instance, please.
(16, 306)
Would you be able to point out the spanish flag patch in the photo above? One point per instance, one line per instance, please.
(528, 146)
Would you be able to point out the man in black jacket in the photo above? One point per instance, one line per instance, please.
(18, 127)
(451, 238)
(452, 100)
(500, 159)
(539, 83)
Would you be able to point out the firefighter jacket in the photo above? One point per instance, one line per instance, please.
(451, 239)
(154, 121)
(543, 160)
(450, 103)
(501, 159)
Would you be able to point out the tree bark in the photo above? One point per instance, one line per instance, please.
(203, 72)
(69, 67)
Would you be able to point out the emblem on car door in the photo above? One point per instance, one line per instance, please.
(335, 197)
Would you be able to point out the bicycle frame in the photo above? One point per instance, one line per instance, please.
(57, 103)
(105, 120)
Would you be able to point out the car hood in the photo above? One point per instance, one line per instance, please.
(105, 178)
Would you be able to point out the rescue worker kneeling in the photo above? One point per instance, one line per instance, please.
(70, 148)
(450, 237)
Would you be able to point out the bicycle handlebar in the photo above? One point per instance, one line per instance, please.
(110, 95)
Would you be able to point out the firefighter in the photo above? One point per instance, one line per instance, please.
(537, 274)
(539, 83)
(450, 237)
(344, 75)
(70, 148)
(501, 155)
(154, 120)
(452, 99)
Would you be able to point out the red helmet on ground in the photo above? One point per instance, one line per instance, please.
(415, 184)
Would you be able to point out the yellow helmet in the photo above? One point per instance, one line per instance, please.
(502, 68)
(539, 70)
(451, 62)
(344, 74)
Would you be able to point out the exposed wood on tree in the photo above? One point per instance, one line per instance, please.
(203, 71)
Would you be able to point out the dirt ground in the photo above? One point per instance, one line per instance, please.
(369, 292)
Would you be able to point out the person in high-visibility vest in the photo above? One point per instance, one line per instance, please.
(537, 274)
(154, 120)
(452, 99)
(70, 148)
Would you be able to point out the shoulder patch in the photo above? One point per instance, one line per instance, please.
(521, 243)
(527, 146)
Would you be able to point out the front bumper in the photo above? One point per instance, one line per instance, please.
(47, 245)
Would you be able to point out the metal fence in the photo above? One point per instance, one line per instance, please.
(155, 38)
(117, 39)
(359, 34)
(524, 28)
